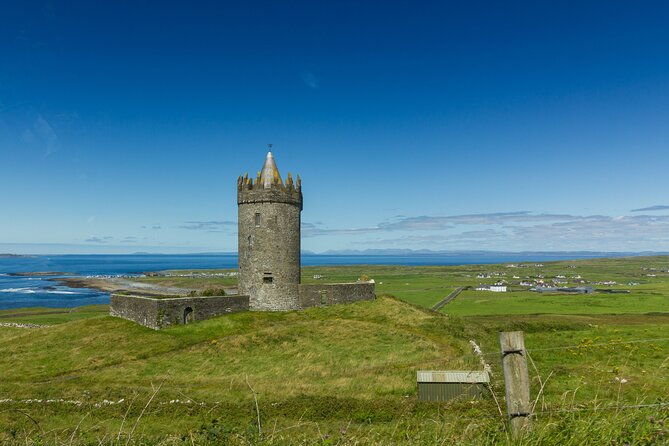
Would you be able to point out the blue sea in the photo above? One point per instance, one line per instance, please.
(40, 291)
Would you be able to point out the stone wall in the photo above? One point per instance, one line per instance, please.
(315, 295)
(143, 310)
(159, 313)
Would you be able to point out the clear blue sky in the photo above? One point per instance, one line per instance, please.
(423, 125)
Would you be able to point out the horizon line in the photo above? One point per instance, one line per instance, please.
(367, 252)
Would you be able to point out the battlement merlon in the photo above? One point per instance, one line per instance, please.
(246, 183)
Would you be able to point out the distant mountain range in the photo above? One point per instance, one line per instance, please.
(428, 252)
(409, 252)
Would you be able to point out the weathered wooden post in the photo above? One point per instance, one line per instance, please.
(516, 381)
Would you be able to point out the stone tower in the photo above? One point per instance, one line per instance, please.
(269, 239)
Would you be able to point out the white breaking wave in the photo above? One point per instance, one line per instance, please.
(19, 290)
(33, 291)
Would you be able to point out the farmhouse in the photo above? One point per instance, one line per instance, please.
(571, 290)
(497, 288)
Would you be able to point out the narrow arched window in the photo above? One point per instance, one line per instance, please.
(188, 315)
(257, 219)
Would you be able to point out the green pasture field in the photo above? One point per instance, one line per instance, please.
(346, 374)
(427, 285)
(49, 316)
(472, 303)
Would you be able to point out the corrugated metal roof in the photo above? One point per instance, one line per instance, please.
(452, 376)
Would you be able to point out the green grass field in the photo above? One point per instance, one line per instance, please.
(346, 374)
(48, 316)
(472, 303)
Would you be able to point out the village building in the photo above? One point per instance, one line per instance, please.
(496, 288)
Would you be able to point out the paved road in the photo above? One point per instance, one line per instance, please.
(448, 298)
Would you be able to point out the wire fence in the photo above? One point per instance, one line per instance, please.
(602, 408)
(190, 402)
(578, 346)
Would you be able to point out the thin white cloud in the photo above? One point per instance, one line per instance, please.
(514, 231)
(439, 223)
(156, 226)
(652, 208)
(209, 226)
(315, 230)
(309, 79)
(46, 135)
(96, 239)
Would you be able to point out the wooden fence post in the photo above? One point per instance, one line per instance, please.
(516, 381)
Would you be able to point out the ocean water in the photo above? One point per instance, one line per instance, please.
(33, 290)
(42, 291)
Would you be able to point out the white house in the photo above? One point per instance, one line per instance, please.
(497, 288)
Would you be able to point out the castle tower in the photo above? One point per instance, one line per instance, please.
(269, 239)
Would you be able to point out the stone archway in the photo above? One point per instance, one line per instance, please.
(188, 315)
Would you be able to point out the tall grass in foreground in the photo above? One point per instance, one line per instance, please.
(328, 420)
(332, 421)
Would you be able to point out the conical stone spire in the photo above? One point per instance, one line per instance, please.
(269, 175)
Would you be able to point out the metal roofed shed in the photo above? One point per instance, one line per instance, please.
(445, 385)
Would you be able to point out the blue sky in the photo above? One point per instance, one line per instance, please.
(421, 125)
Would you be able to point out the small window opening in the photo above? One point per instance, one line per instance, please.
(324, 297)
(257, 219)
(250, 241)
(268, 279)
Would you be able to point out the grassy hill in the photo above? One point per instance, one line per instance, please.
(321, 368)
(344, 374)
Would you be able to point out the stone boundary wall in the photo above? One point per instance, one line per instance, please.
(159, 313)
(314, 295)
(142, 310)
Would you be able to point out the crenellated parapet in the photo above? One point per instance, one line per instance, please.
(247, 183)
(269, 187)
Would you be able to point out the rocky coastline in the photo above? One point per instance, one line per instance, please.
(117, 285)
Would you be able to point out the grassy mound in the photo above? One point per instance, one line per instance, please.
(349, 363)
